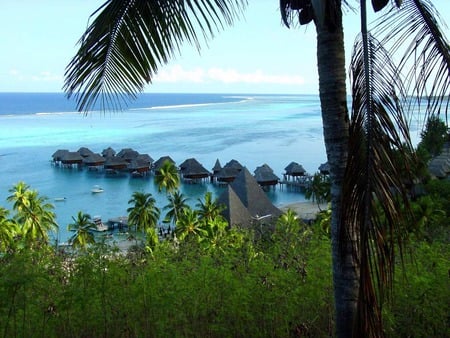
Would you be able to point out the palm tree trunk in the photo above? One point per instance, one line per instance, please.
(331, 67)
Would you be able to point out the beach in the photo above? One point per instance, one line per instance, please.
(306, 210)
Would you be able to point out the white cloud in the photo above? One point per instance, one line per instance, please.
(46, 77)
(40, 77)
(176, 74)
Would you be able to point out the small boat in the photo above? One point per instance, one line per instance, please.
(60, 199)
(97, 189)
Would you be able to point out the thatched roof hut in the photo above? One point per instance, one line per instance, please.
(158, 164)
(127, 154)
(59, 154)
(229, 171)
(217, 167)
(324, 168)
(192, 169)
(227, 174)
(108, 152)
(265, 176)
(139, 166)
(94, 160)
(146, 158)
(295, 169)
(115, 163)
(85, 152)
(252, 197)
(72, 157)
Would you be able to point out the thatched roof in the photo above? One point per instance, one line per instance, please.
(227, 174)
(295, 169)
(234, 164)
(138, 165)
(324, 168)
(191, 168)
(234, 212)
(144, 158)
(251, 197)
(158, 164)
(127, 154)
(59, 154)
(108, 152)
(115, 162)
(71, 157)
(94, 159)
(85, 152)
(265, 176)
(217, 167)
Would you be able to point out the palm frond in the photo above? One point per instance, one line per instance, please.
(129, 40)
(425, 62)
(374, 185)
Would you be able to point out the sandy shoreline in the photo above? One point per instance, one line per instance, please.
(305, 210)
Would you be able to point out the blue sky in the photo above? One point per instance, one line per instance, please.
(256, 55)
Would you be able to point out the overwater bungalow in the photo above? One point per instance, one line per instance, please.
(294, 170)
(115, 163)
(94, 161)
(158, 164)
(265, 176)
(217, 167)
(193, 170)
(324, 168)
(108, 152)
(58, 155)
(138, 168)
(72, 159)
(85, 152)
(127, 154)
(229, 171)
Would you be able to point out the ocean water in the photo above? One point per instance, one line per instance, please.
(253, 129)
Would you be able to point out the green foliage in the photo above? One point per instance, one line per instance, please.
(82, 226)
(433, 137)
(420, 305)
(319, 189)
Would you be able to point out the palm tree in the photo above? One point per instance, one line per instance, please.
(83, 227)
(189, 226)
(319, 189)
(177, 203)
(209, 209)
(34, 214)
(8, 229)
(122, 32)
(143, 214)
(167, 177)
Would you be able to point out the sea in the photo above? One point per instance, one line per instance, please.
(252, 129)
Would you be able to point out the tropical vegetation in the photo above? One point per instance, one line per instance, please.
(369, 195)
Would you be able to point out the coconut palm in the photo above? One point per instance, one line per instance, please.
(319, 189)
(143, 214)
(209, 209)
(144, 34)
(18, 196)
(34, 214)
(8, 229)
(189, 226)
(83, 226)
(177, 203)
(167, 177)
